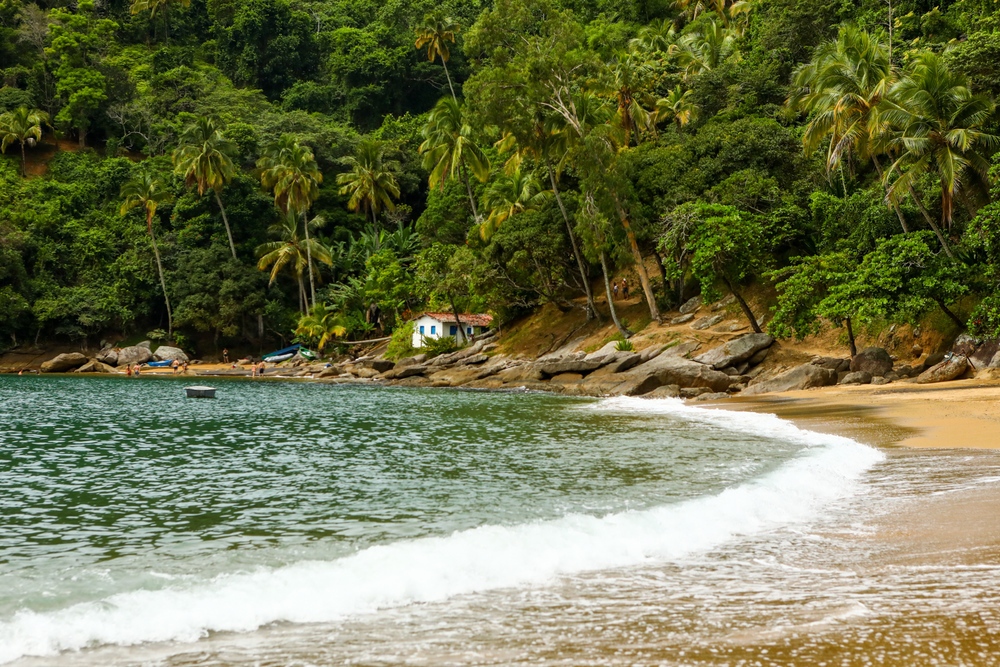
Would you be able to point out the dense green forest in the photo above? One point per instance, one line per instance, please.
(253, 170)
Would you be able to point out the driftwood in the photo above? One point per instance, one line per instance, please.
(362, 342)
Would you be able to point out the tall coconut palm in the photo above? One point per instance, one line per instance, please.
(628, 84)
(677, 106)
(155, 7)
(941, 131)
(371, 181)
(293, 253)
(290, 170)
(843, 88)
(434, 33)
(449, 148)
(205, 158)
(24, 126)
(509, 195)
(322, 324)
(147, 191)
(657, 37)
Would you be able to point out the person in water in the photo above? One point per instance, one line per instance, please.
(136, 369)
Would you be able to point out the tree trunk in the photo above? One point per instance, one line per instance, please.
(591, 306)
(225, 220)
(647, 289)
(458, 321)
(309, 262)
(24, 168)
(611, 301)
(947, 205)
(744, 306)
(930, 221)
(163, 280)
(82, 136)
(302, 296)
(850, 337)
(895, 205)
(951, 316)
(468, 189)
(450, 87)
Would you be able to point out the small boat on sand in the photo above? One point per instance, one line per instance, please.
(200, 392)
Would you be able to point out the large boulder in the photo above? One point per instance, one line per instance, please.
(667, 369)
(606, 352)
(873, 360)
(581, 366)
(400, 372)
(167, 353)
(947, 370)
(857, 377)
(805, 376)
(691, 305)
(984, 354)
(109, 356)
(736, 351)
(64, 362)
(136, 354)
(95, 366)
(706, 322)
(382, 365)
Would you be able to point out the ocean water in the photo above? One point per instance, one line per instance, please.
(305, 524)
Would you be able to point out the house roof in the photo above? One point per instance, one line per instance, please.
(468, 319)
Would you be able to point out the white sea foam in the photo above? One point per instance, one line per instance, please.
(489, 557)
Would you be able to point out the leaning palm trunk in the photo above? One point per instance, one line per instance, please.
(461, 332)
(930, 221)
(163, 281)
(895, 204)
(468, 189)
(591, 306)
(611, 301)
(744, 306)
(640, 268)
(225, 221)
(309, 263)
(448, 76)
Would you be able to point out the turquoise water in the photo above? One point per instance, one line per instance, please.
(281, 517)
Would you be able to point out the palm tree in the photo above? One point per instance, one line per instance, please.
(371, 181)
(205, 158)
(23, 126)
(509, 195)
(704, 50)
(154, 7)
(843, 89)
(321, 324)
(628, 85)
(657, 37)
(942, 131)
(292, 252)
(147, 191)
(677, 106)
(435, 32)
(290, 170)
(448, 147)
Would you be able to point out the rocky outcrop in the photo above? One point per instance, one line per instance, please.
(832, 363)
(167, 353)
(400, 371)
(691, 305)
(735, 351)
(682, 319)
(136, 354)
(95, 366)
(667, 369)
(581, 366)
(109, 356)
(805, 376)
(382, 365)
(64, 362)
(707, 321)
(947, 370)
(873, 360)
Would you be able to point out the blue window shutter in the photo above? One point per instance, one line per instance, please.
(469, 331)
(433, 329)
(421, 329)
(453, 330)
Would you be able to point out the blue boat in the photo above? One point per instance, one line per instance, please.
(159, 364)
(284, 353)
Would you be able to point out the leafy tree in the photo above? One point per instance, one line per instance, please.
(145, 190)
(290, 253)
(371, 182)
(23, 126)
(449, 147)
(205, 159)
(507, 196)
(155, 7)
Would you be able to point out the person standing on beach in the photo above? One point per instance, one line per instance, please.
(128, 370)
(260, 369)
(176, 366)
(616, 291)
(253, 369)
(624, 289)
(225, 355)
(136, 369)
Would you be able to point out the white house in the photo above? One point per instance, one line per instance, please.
(436, 325)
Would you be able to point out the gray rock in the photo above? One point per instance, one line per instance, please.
(759, 357)
(880, 380)
(109, 356)
(691, 305)
(947, 370)
(64, 362)
(666, 391)
(706, 322)
(410, 361)
(606, 352)
(382, 365)
(719, 305)
(857, 377)
(832, 363)
(904, 371)
(805, 376)
(667, 369)
(875, 360)
(398, 373)
(695, 392)
(167, 353)
(735, 351)
(651, 353)
(682, 349)
(146, 344)
(682, 319)
(622, 362)
(984, 354)
(581, 366)
(95, 366)
(965, 345)
(932, 360)
(136, 354)
(713, 396)
(475, 359)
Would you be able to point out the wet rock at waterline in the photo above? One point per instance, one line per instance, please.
(64, 362)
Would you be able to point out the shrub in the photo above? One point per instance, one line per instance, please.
(625, 346)
(401, 343)
(437, 346)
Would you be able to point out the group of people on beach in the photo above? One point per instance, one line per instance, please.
(624, 289)
(133, 370)
(257, 369)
